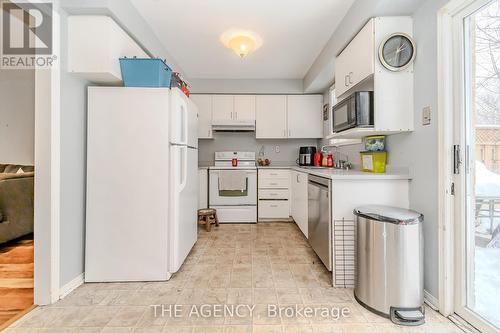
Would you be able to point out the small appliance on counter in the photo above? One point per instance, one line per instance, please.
(354, 111)
(306, 156)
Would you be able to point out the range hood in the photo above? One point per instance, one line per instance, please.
(233, 125)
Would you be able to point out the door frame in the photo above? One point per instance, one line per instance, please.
(47, 176)
(450, 98)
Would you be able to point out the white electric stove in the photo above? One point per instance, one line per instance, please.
(237, 206)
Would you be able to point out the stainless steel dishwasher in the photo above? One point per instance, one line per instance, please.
(319, 218)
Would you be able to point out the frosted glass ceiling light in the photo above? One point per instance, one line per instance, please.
(242, 42)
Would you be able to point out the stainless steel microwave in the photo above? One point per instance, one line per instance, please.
(354, 111)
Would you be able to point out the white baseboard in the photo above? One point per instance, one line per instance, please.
(431, 301)
(70, 286)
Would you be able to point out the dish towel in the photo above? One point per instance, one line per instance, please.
(232, 180)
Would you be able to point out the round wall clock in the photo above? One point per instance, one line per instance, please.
(397, 52)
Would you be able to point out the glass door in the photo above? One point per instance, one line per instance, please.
(477, 165)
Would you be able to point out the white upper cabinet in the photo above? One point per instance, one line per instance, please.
(95, 45)
(233, 109)
(204, 104)
(305, 116)
(357, 62)
(293, 116)
(271, 117)
(244, 108)
(223, 108)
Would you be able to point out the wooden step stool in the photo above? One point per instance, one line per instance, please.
(207, 217)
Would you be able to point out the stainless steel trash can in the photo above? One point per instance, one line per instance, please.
(389, 265)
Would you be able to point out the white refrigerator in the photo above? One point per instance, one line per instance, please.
(142, 185)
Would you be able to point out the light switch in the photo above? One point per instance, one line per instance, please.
(426, 116)
(277, 149)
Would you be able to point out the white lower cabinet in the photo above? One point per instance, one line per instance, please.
(274, 194)
(203, 190)
(299, 200)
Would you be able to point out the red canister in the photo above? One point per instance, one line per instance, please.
(317, 159)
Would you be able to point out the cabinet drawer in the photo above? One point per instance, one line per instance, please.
(282, 183)
(274, 209)
(273, 194)
(273, 174)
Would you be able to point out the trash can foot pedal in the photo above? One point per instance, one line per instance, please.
(408, 317)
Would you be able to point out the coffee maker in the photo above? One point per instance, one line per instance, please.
(306, 155)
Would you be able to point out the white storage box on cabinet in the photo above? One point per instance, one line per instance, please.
(274, 194)
(95, 45)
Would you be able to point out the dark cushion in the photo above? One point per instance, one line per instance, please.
(13, 168)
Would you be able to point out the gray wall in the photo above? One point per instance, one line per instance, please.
(289, 149)
(17, 116)
(419, 150)
(73, 167)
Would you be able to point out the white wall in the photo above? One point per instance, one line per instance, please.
(212, 86)
(73, 166)
(17, 116)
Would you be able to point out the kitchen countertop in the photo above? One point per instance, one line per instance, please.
(337, 173)
(344, 174)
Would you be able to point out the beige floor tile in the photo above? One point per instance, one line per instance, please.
(99, 316)
(265, 296)
(234, 264)
(297, 329)
(127, 316)
(267, 329)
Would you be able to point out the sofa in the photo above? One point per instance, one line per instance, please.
(16, 201)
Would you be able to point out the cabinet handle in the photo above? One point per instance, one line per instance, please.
(298, 181)
(236, 116)
(346, 83)
(350, 78)
(274, 206)
(284, 133)
(289, 132)
(274, 184)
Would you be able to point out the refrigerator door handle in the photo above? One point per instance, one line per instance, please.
(183, 168)
(184, 124)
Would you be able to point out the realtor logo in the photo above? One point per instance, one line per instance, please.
(27, 30)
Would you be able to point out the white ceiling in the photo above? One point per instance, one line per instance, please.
(293, 31)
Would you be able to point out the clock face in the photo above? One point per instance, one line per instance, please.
(397, 52)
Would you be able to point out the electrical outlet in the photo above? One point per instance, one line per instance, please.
(277, 149)
(426, 116)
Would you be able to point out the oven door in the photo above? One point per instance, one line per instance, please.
(344, 115)
(233, 198)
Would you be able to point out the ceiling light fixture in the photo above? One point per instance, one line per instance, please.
(242, 42)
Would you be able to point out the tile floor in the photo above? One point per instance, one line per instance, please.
(234, 264)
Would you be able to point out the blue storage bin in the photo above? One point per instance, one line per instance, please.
(145, 72)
